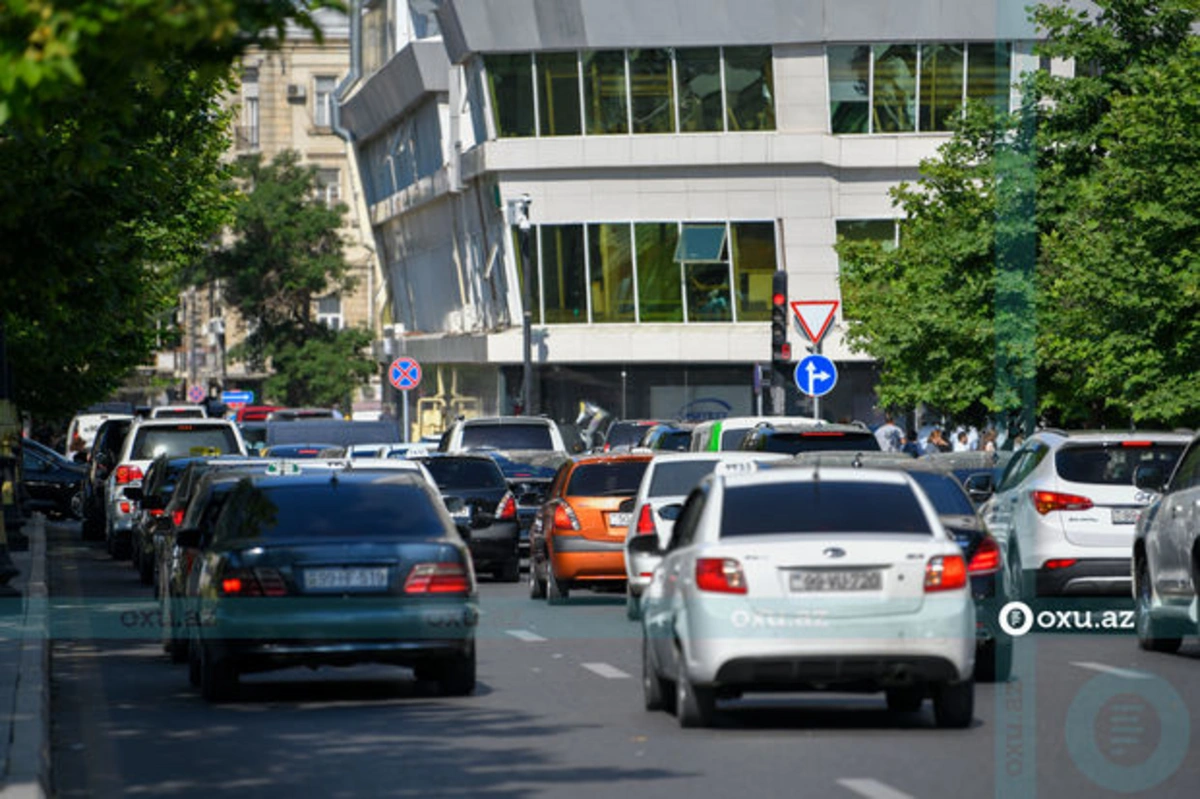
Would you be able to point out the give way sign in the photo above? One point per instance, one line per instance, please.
(815, 317)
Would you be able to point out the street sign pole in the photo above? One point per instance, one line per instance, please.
(816, 400)
(404, 432)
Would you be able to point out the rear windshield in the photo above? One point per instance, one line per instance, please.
(821, 508)
(626, 434)
(946, 494)
(1113, 464)
(606, 479)
(452, 474)
(353, 510)
(676, 440)
(507, 436)
(732, 439)
(678, 479)
(792, 443)
(183, 441)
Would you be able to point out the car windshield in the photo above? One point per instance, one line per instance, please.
(1114, 464)
(390, 509)
(945, 492)
(606, 479)
(792, 443)
(507, 436)
(458, 473)
(626, 434)
(821, 508)
(678, 479)
(182, 441)
(731, 439)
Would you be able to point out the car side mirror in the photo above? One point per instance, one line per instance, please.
(980, 487)
(671, 512)
(189, 537)
(626, 506)
(1150, 477)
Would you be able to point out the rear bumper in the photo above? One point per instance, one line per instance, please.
(250, 656)
(574, 558)
(861, 672)
(1087, 577)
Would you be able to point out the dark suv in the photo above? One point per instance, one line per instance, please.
(818, 437)
(106, 447)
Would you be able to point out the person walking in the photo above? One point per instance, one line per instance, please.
(889, 436)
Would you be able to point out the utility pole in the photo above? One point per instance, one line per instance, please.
(521, 208)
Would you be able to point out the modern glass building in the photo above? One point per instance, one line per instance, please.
(676, 154)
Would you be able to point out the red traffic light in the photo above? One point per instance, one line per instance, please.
(785, 351)
(778, 299)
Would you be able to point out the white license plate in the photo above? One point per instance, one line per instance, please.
(619, 519)
(346, 578)
(861, 580)
(1125, 515)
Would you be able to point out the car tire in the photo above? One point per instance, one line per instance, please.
(993, 660)
(218, 677)
(75, 505)
(695, 706)
(954, 704)
(1149, 635)
(905, 700)
(657, 693)
(557, 592)
(633, 610)
(456, 676)
(537, 586)
(510, 572)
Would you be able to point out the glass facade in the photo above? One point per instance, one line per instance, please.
(714, 89)
(904, 88)
(651, 272)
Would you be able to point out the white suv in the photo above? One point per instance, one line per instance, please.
(503, 433)
(148, 439)
(1066, 507)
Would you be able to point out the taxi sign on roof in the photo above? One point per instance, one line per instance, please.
(735, 467)
(287, 468)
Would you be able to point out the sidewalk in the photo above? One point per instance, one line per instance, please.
(25, 675)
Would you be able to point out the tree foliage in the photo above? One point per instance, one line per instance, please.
(111, 136)
(1056, 249)
(285, 252)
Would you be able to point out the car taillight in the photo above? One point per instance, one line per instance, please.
(126, 507)
(437, 578)
(1059, 563)
(1046, 501)
(723, 575)
(507, 509)
(156, 512)
(1138, 444)
(253, 582)
(645, 522)
(565, 518)
(128, 474)
(986, 559)
(177, 517)
(945, 573)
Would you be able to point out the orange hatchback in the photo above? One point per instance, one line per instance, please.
(578, 537)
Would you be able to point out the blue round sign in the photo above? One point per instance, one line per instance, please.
(405, 373)
(816, 375)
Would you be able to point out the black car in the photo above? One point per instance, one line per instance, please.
(483, 508)
(102, 459)
(792, 439)
(671, 437)
(529, 474)
(152, 496)
(979, 472)
(52, 483)
(332, 567)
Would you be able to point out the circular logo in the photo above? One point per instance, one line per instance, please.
(1128, 735)
(1016, 619)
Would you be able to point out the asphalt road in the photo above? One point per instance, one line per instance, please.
(559, 711)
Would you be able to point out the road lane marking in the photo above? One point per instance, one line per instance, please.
(607, 671)
(526, 636)
(1128, 674)
(872, 789)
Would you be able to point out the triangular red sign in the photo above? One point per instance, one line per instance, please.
(815, 316)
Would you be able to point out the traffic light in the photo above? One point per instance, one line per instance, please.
(781, 351)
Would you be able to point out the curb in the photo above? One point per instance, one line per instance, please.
(29, 753)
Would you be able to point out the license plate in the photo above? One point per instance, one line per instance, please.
(1125, 515)
(811, 581)
(619, 519)
(359, 578)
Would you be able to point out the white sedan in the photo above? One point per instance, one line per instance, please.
(800, 578)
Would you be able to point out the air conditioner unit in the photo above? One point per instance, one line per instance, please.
(295, 91)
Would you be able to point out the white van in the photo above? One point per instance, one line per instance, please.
(84, 426)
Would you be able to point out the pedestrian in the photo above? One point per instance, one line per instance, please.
(962, 442)
(987, 441)
(937, 442)
(889, 436)
(911, 445)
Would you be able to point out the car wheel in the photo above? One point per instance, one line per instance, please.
(694, 705)
(954, 704)
(557, 591)
(218, 677)
(76, 505)
(510, 572)
(993, 660)
(633, 610)
(905, 700)
(537, 587)
(657, 693)
(456, 677)
(1149, 636)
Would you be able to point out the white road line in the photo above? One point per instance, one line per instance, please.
(526, 636)
(872, 789)
(1128, 674)
(605, 670)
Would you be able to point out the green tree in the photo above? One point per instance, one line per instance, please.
(1055, 248)
(287, 251)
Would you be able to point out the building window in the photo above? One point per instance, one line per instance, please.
(564, 278)
(558, 94)
(659, 293)
(510, 88)
(247, 134)
(605, 101)
(323, 101)
(885, 232)
(610, 273)
(329, 186)
(750, 88)
(652, 91)
(897, 88)
(329, 312)
(753, 246)
(700, 104)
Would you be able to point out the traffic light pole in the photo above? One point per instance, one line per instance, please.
(781, 351)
